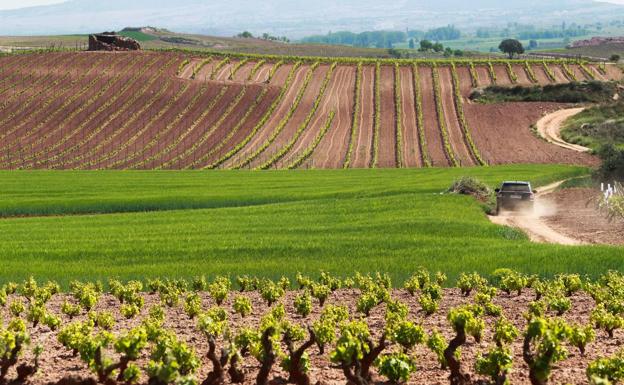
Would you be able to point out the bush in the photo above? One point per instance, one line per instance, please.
(575, 92)
(468, 185)
(612, 167)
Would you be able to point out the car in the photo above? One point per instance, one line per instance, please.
(515, 196)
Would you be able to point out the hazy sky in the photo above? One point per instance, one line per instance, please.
(12, 4)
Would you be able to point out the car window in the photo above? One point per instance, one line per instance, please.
(516, 187)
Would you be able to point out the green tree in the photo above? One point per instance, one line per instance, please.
(511, 47)
(412, 45)
(426, 45)
(615, 58)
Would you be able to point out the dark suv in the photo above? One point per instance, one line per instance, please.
(515, 196)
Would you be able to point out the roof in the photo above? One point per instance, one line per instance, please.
(515, 182)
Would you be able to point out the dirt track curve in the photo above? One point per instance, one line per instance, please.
(549, 127)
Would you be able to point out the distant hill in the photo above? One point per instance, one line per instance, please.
(295, 18)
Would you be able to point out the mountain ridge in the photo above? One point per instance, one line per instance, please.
(294, 18)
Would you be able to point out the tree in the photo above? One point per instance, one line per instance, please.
(511, 47)
(426, 45)
(533, 44)
(412, 45)
(438, 47)
(245, 35)
(615, 58)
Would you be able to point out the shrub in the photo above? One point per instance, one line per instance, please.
(397, 367)
(607, 370)
(580, 336)
(242, 306)
(543, 346)
(495, 364)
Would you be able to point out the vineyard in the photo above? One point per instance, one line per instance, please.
(364, 329)
(173, 110)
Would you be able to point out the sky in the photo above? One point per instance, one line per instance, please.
(14, 4)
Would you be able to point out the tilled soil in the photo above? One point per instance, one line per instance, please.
(502, 134)
(44, 127)
(577, 215)
(58, 363)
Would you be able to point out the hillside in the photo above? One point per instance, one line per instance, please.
(295, 19)
(173, 111)
(168, 40)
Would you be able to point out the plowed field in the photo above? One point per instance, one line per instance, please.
(155, 110)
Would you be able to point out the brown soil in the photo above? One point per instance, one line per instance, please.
(541, 75)
(187, 72)
(106, 156)
(559, 75)
(34, 89)
(502, 77)
(102, 121)
(206, 132)
(614, 72)
(579, 73)
(363, 144)
(263, 73)
(465, 80)
(298, 117)
(484, 76)
(523, 77)
(456, 135)
(332, 149)
(224, 73)
(43, 91)
(136, 142)
(273, 121)
(411, 141)
(45, 114)
(243, 72)
(576, 214)
(280, 75)
(66, 120)
(433, 134)
(502, 134)
(202, 123)
(259, 111)
(57, 362)
(386, 156)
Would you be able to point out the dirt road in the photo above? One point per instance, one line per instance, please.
(534, 224)
(549, 127)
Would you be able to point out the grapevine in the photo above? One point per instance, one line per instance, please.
(441, 119)
(462, 119)
(308, 151)
(377, 116)
(398, 104)
(355, 120)
(530, 73)
(491, 71)
(288, 146)
(420, 121)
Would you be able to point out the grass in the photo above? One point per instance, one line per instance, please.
(596, 126)
(138, 36)
(180, 224)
